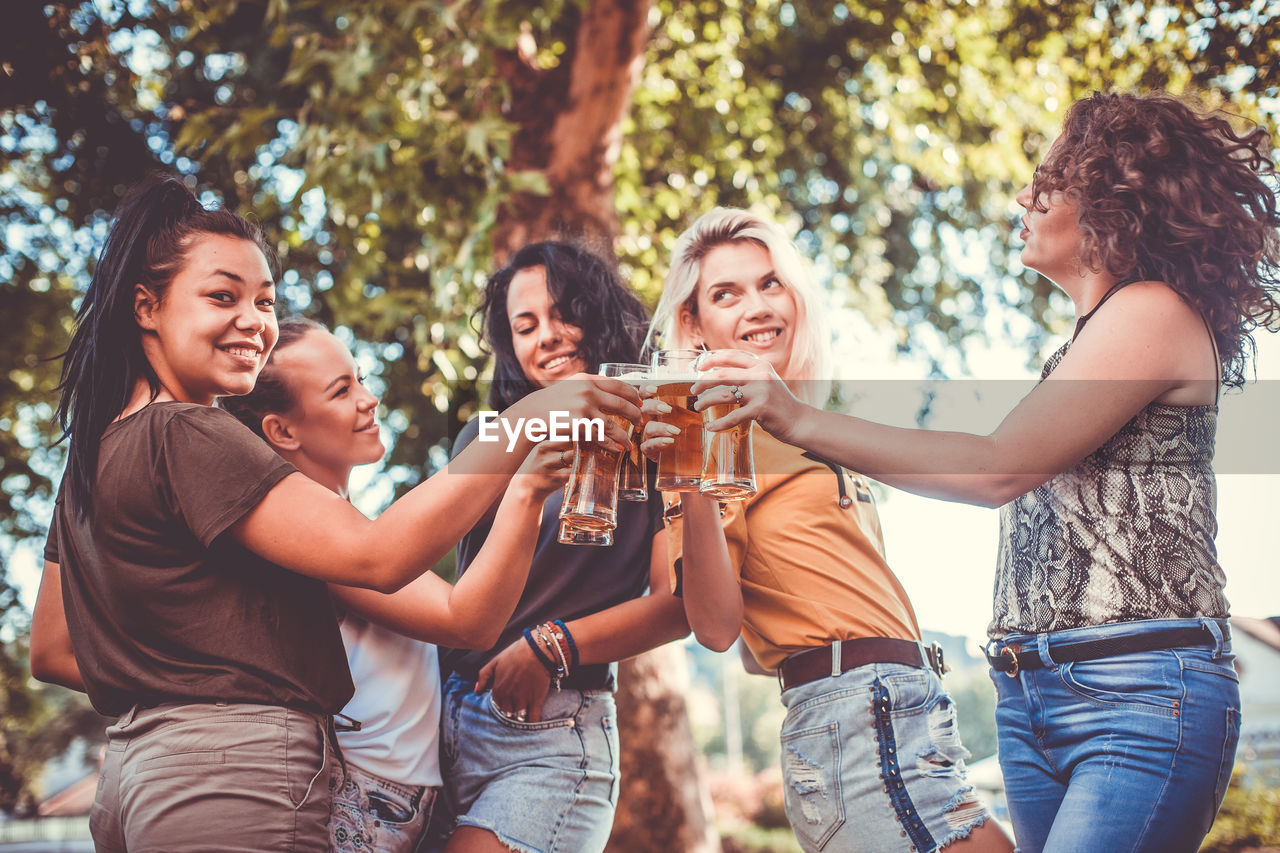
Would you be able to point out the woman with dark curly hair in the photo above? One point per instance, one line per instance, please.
(526, 767)
(1119, 707)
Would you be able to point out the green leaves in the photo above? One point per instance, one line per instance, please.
(385, 150)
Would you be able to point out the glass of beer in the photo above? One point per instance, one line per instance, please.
(633, 481)
(591, 495)
(570, 535)
(679, 466)
(728, 468)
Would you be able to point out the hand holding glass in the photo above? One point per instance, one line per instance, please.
(728, 467)
(680, 465)
(591, 496)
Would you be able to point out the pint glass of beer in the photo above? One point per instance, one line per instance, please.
(633, 480)
(679, 466)
(570, 535)
(728, 468)
(591, 496)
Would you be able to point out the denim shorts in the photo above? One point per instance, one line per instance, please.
(872, 761)
(1129, 752)
(545, 787)
(375, 815)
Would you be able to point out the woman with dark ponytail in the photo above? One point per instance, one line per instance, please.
(184, 581)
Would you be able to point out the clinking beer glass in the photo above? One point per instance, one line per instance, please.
(679, 466)
(728, 467)
(633, 480)
(591, 496)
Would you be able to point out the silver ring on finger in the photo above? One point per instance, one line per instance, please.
(737, 393)
(522, 715)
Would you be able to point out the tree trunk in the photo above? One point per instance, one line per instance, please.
(663, 806)
(570, 127)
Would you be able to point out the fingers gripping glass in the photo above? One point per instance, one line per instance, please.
(680, 465)
(633, 479)
(728, 467)
(590, 507)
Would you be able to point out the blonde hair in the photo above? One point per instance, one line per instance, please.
(810, 354)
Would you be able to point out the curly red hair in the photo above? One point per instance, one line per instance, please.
(1169, 192)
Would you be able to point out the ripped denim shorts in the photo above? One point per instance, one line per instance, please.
(872, 761)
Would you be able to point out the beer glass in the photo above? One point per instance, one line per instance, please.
(633, 481)
(570, 535)
(728, 468)
(679, 466)
(591, 496)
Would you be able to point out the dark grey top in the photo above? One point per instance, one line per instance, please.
(566, 581)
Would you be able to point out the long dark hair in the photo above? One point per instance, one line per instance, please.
(589, 294)
(1169, 192)
(154, 227)
(272, 394)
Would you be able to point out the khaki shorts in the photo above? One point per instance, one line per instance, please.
(224, 777)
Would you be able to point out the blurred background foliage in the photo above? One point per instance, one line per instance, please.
(396, 152)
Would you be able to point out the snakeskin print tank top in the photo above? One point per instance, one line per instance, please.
(1128, 533)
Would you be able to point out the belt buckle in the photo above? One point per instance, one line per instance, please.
(933, 652)
(1013, 656)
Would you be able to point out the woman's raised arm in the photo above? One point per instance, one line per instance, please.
(309, 529)
(1146, 344)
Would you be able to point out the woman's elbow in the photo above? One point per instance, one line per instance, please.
(718, 638)
(41, 666)
(484, 636)
(55, 667)
(995, 490)
(381, 576)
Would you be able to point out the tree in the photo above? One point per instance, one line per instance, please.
(394, 155)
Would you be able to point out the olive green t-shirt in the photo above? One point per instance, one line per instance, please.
(161, 606)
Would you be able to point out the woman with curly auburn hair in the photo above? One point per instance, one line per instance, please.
(1119, 707)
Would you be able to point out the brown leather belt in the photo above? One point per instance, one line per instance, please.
(812, 664)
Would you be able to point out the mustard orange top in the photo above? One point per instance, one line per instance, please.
(812, 566)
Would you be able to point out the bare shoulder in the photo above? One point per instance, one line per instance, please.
(1144, 314)
(1145, 330)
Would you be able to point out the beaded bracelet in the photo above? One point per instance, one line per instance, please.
(549, 637)
(543, 657)
(573, 647)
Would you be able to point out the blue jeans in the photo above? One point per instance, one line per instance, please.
(872, 761)
(545, 787)
(1130, 752)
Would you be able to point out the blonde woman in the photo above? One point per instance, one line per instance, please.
(871, 756)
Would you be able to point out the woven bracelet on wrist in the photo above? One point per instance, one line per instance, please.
(544, 658)
(548, 636)
(573, 647)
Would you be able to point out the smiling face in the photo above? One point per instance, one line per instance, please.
(545, 346)
(211, 330)
(333, 424)
(741, 304)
